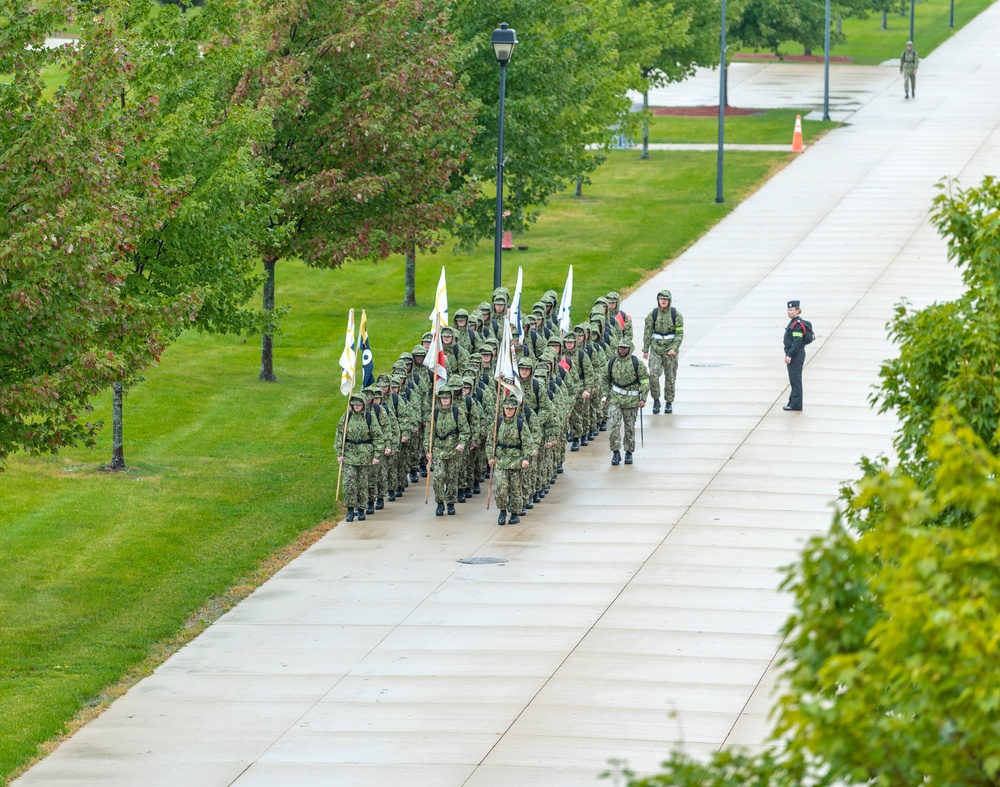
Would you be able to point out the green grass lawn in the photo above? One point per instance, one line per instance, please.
(775, 126)
(97, 568)
(868, 44)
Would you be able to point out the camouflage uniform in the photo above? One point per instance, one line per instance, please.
(908, 64)
(510, 447)
(450, 430)
(626, 383)
(580, 380)
(620, 322)
(664, 332)
(468, 403)
(356, 449)
(378, 479)
(409, 429)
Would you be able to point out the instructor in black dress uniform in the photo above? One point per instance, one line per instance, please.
(795, 355)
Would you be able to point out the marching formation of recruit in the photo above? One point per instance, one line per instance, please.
(798, 333)
(448, 410)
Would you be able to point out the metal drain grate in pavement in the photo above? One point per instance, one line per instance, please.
(481, 560)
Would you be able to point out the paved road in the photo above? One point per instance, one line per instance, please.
(639, 607)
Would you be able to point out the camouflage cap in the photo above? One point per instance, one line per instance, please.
(601, 300)
(444, 392)
(485, 307)
(510, 401)
(553, 339)
(382, 379)
(448, 331)
(570, 338)
(623, 342)
(468, 382)
(427, 337)
(583, 327)
(407, 357)
(369, 391)
(550, 296)
(356, 398)
(461, 313)
(418, 349)
(664, 294)
(613, 296)
(526, 362)
(501, 294)
(395, 381)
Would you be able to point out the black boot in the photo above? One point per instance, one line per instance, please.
(399, 492)
(475, 488)
(538, 497)
(583, 441)
(379, 503)
(350, 515)
(502, 519)
(361, 515)
(559, 470)
(440, 510)
(371, 507)
(576, 445)
(461, 495)
(628, 457)
(530, 503)
(524, 512)
(668, 407)
(604, 426)
(656, 406)
(514, 519)
(392, 495)
(616, 458)
(413, 476)
(451, 509)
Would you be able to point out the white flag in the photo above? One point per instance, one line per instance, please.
(506, 371)
(514, 311)
(441, 301)
(565, 326)
(435, 359)
(348, 358)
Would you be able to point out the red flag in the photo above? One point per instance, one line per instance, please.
(620, 319)
(564, 364)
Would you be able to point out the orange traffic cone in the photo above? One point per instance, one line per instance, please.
(507, 243)
(797, 135)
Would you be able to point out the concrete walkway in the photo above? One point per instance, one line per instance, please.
(638, 610)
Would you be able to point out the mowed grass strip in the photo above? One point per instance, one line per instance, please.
(96, 569)
(771, 127)
(868, 44)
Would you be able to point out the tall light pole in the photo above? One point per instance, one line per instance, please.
(951, 19)
(913, 7)
(503, 41)
(722, 106)
(826, 66)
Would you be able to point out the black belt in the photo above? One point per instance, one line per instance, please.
(446, 435)
(359, 442)
(504, 445)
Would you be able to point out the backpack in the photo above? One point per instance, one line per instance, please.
(673, 316)
(807, 330)
(635, 366)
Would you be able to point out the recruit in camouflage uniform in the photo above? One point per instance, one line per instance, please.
(356, 452)
(660, 344)
(393, 430)
(580, 379)
(397, 402)
(620, 322)
(469, 464)
(626, 383)
(378, 479)
(909, 62)
(450, 430)
(510, 446)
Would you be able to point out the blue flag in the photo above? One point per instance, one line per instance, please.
(365, 351)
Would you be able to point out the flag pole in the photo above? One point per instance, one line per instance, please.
(430, 448)
(496, 419)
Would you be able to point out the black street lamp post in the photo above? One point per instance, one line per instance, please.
(826, 66)
(503, 41)
(719, 199)
(913, 13)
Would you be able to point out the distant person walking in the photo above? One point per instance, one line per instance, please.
(795, 354)
(661, 342)
(909, 61)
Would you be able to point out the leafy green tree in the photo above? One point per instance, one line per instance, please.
(72, 205)
(766, 24)
(890, 669)
(566, 91)
(206, 147)
(370, 126)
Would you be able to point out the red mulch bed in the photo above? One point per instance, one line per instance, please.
(756, 56)
(704, 112)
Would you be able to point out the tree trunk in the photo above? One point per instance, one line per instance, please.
(807, 51)
(578, 191)
(840, 26)
(885, 20)
(267, 339)
(117, 441)
(410, 287)
(645, 125)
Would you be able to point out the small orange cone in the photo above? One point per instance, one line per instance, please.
(507, 243)
(797, 135)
